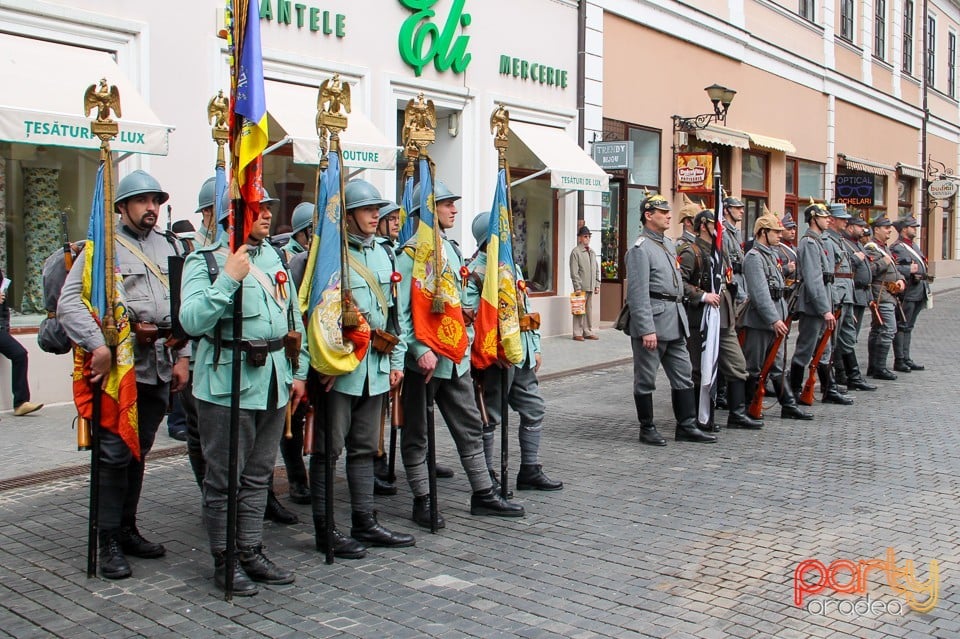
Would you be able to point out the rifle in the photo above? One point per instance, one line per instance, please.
(430, 392)
(396, 423)
(308, 447)
(755, 410)
(67, 250)
(806, 396)
(876, 312)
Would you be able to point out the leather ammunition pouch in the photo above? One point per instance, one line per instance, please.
(529, 321)
(737, 267)
(383, 342)
(828, 278)
(257, 350)
(291, 345)
(776, 294)
(147, 333)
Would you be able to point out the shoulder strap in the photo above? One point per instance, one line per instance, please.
(371, 281)
(137, 253)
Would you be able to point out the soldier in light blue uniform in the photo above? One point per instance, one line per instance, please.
(302, 233)
(658, 326)
(268, 381)
(523, 392)
(351, 408)
(451, 384)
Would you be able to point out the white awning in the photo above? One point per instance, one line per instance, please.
(294, 108)
(907, 170)
(42, 101)
(722, 135)
(777, 144)
(864, 166)
(571, 168)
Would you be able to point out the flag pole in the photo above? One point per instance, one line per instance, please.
(104, 127)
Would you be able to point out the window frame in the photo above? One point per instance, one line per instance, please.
(879, 29)
(754, 199)
(516, 174)
(908, 27)
(930, 57)
(952, 64)
(847, 11)
(806, 9)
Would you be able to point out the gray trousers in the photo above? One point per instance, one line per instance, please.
(523, 396)
(809, 330)
(259, 433)
(882, 336)
(676, 364)
(756, 345)
(846, 333)
(583, 324)
(354, 422)
(901, 343)
(730, 363)
(454, 398)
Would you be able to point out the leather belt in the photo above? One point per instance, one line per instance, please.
(862, 287)
(666, 297)
(247, 346)
(843, 276)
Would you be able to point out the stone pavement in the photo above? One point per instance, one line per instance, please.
(686, 541)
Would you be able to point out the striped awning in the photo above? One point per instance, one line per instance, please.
(723, 135)
(864, 166)
(907, 170)
(768, 142)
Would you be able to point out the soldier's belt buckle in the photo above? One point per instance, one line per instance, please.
(257, 352)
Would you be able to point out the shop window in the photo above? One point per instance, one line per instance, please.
(880, 29)
(646, 156)
(905, 192)
(948, 229)
(846, 20)
(534, 207)
(804, 180)
(610, 258)
(867, 211)
(754, 189)
(908, 37)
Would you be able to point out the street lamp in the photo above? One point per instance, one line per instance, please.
(721, 97)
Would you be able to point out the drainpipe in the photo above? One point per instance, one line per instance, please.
(581, 85)
(926, 242)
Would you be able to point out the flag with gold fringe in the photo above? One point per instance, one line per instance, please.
(407, 221)
(118, 413)
(497, 323)
(434, 296)
(334, 350)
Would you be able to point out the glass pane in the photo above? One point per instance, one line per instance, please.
(791, 183)
(754, 172)
(879, 189)
(811, 180)
(632, 232)
(534, 233)
(646, 157)
(610, 233)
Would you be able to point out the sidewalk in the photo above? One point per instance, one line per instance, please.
(45, 442)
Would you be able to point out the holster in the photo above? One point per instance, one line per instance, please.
(257, 352)
(146, 332)
(292, 342)
(384, 342)
(530, 321)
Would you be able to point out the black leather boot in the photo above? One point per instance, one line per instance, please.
(495, 481)
(276, 513)
(907, 359)
(381, 469)
(839, 370)
(444, 472)
(368, 531)
(134, 544)
(788, 403)
(736, 400)
(242, 586)
(831, 394)
(721, 402)
(855, 380)
(421, 513)
(343, 546)
(532, 477)
(299, 492)
(261, 569)
(383, 487)
(711, 426)
(487, 502)
(113, 563)
(880, 370)
(648, 430)
(901, 366)
(685, 411)
(796, 379)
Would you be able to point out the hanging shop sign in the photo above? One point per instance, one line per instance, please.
(304, 17)
(422, 41)
(694, 172)
(613, 155)
(942, 189)
(855, 189)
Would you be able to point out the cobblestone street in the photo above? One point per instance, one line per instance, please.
(686, 541)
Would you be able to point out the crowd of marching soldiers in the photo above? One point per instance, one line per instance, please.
(842, 269)
(275, 375)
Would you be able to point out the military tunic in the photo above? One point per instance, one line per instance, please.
(845, 336)
(766, 306)
(815, 298)
(862, 281)
(915, 295)
(733, 252)
(655, 298)
(885, 277)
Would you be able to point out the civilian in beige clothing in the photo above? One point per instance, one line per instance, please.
(585, 274)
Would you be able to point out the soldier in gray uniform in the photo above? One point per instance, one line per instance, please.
(733, 245)
(161, 367)
(787, 252)
(815, 305)
(887, 284)
(844, 338)
(658, 326)
(766, 312)
(696, 270)
(912, 264)
(687, 214)
(862, 296)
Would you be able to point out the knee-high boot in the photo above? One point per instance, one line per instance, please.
(788, 403)
(736, 400)
(831, 394)
(648, 430)
(685, 412)
(855, 380)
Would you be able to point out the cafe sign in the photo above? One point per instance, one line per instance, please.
(694, 172)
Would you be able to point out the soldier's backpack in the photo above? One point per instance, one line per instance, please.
(51, 337)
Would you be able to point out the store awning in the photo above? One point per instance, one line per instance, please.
(864, 166)
(723, 135)
(42, 101)
(768, 142)
(907, 170)
(571, 168)
(294, 108)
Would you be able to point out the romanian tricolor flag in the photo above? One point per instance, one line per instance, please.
(118, 407)
(433, 287)
(248, 108)
(497, 323)
(333, 349)
(407, 221)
